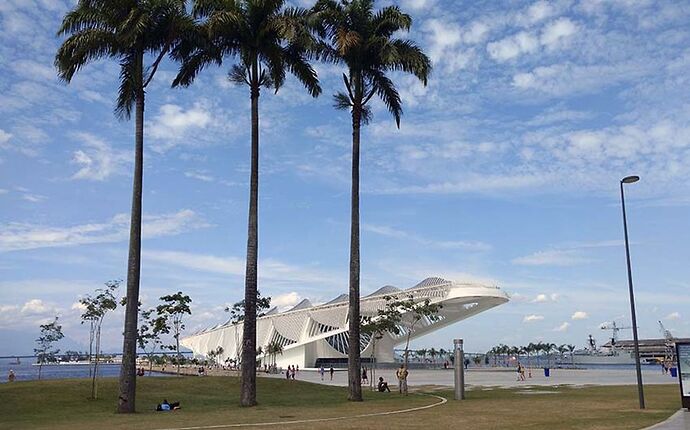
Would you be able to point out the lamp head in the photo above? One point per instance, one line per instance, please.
(630, 179)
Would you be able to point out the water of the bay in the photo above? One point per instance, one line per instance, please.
(26, 371)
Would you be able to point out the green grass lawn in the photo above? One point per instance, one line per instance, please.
(63, 404)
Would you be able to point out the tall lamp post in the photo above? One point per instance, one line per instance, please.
(640, 389)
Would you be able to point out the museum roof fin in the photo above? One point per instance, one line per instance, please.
(341, 298)
(386, 289)
(430, 282)
(304, 304)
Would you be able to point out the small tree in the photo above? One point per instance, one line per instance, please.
(150, 331)
(95, 308)
(172, 310)
(45, 352)
(412, 313)
(237, 316)
(387, 320)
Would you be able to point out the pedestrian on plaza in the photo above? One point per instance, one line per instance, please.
(287, 373)
(365, 378)
(331, 371)
(293, 372)
(321, 371)
(402, 374)
(11, 376)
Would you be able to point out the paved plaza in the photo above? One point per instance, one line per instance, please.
(503, 378)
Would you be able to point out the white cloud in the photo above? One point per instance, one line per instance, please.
(557, 31)
(78, 306)
(97, 160)
(545, 298)
(4, 138)
(269, 269)
(33, 198)
(199, 175)
(21, 236)
(35, 306)
(673, 316)
(173, 122)
(551, 258)
(285, 300)
(388, 231)
(539, 11)
(580, 315)
(532, 318)
(513, 46)
(562, 327)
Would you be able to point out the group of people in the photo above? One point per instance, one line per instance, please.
(141, 371)
(291, 372)
(322, 372)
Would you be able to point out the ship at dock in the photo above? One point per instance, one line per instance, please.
(622, 352)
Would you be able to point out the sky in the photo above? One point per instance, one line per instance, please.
(505, 170)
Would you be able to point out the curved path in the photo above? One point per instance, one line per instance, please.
(441, 401)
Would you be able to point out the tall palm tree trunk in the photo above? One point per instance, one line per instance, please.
(248, 394)
(126, 400)
(353, 353)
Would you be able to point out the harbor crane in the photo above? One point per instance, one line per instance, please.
(615, 329)
(670, 344)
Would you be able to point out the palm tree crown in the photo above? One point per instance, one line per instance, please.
(124, 30)
(363, 40)
(258, 32)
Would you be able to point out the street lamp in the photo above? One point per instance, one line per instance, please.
(640, 390)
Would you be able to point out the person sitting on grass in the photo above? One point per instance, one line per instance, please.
(383, 385)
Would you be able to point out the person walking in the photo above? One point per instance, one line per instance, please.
(365, 378)
(402, 374)
(287, 373)
(332, 371)
(293, 373)
(11, 376)
(321, 371)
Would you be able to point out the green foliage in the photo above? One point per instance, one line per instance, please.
(171, 314)
(95, 307)
(268, 40)
(126, 31)
(362, 39)
(237, 309)
(50, 333)
(413, 311)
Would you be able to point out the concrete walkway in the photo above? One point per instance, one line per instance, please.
(503, 378)
(678, 421)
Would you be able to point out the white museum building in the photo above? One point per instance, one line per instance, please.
(311, 335)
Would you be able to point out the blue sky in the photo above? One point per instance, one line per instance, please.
(505, 170)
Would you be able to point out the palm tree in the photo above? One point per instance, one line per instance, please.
(267, 40)
(433, 353)
(571, 349)
(363, 40)
(422, 353)
(126, 31)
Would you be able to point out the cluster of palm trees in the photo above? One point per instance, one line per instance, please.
(539, 350)
(433, 353)
(261, 42)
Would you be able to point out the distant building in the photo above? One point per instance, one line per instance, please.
(312, 335)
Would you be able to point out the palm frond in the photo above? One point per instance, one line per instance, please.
(341, 101)
(385, 89)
